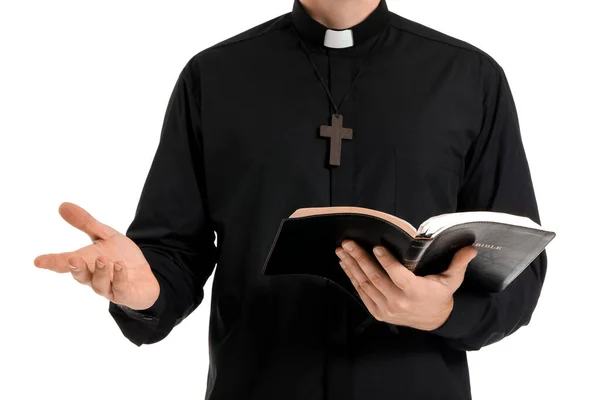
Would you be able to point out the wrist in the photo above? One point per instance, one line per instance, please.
(441, 317)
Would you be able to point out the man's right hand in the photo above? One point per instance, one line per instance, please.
(113, 265)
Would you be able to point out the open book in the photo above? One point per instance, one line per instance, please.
(306, 241)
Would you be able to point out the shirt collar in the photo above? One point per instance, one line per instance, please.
(314, 31)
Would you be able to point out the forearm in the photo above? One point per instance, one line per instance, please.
(171, 224)
(497, 178)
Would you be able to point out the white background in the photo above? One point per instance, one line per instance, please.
(83, 90)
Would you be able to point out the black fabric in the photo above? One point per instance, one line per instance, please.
(337, 107)
(435, 130)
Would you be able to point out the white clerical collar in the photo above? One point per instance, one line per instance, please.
(321, 36)
(336, 39)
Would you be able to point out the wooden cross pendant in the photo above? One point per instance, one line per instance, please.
(335, 132)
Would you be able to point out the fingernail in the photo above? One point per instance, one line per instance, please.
(378, 251)
(341, 254)
(348, 246)
(342, 265)
(118, 267)
(73, 268)
(99, 264)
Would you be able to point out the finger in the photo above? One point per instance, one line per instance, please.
(353, 280)
(371, 268)
(84, 221)
(121, 289)
(80, 270)
(367, 300)
(455, 273)
(355, 272)
(59, 262)
(101, 277)
(401, 276)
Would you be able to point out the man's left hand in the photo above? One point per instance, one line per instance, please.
(394, 294)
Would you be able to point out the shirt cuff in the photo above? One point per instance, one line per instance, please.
(469, 309)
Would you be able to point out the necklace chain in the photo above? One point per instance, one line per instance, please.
(312, 62)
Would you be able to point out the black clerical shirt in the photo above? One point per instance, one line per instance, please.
(435, 130)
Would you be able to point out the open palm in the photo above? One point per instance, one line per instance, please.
(113, 265)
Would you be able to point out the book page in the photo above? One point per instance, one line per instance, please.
(402, 224)
(437, 224)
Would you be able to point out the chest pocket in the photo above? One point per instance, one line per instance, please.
(426, 185)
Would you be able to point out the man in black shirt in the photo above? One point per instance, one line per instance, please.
(420, 124)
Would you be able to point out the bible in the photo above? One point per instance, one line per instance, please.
(305, 244)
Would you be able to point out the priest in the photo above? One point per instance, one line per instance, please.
(337, 102)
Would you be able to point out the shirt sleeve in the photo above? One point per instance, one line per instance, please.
(497, 178)
(170, 225)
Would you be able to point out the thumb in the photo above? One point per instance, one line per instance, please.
(84, 221)
(455, 273)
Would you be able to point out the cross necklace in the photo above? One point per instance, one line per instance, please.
(336, 132)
